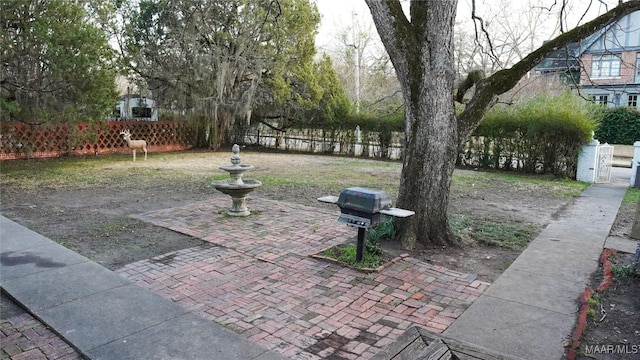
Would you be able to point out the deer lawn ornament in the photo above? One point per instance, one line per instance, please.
(134, 144)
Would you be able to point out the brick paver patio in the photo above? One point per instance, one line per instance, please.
(256, 278)
(22, 337)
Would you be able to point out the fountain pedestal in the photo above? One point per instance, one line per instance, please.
(235, 186)
(238, 195)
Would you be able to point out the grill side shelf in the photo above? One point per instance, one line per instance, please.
(330, 199)
(396, 212)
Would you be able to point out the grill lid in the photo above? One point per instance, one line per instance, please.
(364, 200)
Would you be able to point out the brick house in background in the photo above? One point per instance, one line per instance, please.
(608, 63)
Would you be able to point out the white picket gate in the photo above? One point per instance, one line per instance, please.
(594, 163)
(604, 160)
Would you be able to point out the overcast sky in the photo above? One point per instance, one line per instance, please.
(337, 14)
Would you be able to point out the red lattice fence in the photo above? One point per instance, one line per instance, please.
(19, 140)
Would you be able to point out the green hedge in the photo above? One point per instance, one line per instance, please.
(381, 132)
(619, 125)
(377, 131)
(374, 123)
(543, 135)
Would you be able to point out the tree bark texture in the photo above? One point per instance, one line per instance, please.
(423, 58)
(421, 50)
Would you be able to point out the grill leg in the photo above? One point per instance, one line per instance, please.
(360, 245)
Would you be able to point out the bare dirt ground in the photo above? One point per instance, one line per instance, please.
(613, 330)
(93, 216)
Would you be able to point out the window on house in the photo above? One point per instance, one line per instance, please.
(600, 99)
(633, 100)
(572, 77)
(605, 66)
(637, 77)
(141, 112)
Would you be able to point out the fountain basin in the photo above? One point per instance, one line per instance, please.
(238, 193)
(235, 172)
(236, 168)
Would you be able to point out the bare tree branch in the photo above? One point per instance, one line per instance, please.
(477, 19)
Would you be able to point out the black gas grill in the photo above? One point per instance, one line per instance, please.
(362, 207)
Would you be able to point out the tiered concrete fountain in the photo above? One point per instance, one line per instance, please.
(235, 186)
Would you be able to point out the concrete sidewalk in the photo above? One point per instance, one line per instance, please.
(103, 315)
(532, 307)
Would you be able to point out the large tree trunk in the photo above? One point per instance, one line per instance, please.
(422, 53)
(425, 181)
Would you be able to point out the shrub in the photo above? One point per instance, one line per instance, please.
(375, 130)
(619, 125)
(542, 135)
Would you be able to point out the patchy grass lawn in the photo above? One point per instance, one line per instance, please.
(88, 200)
